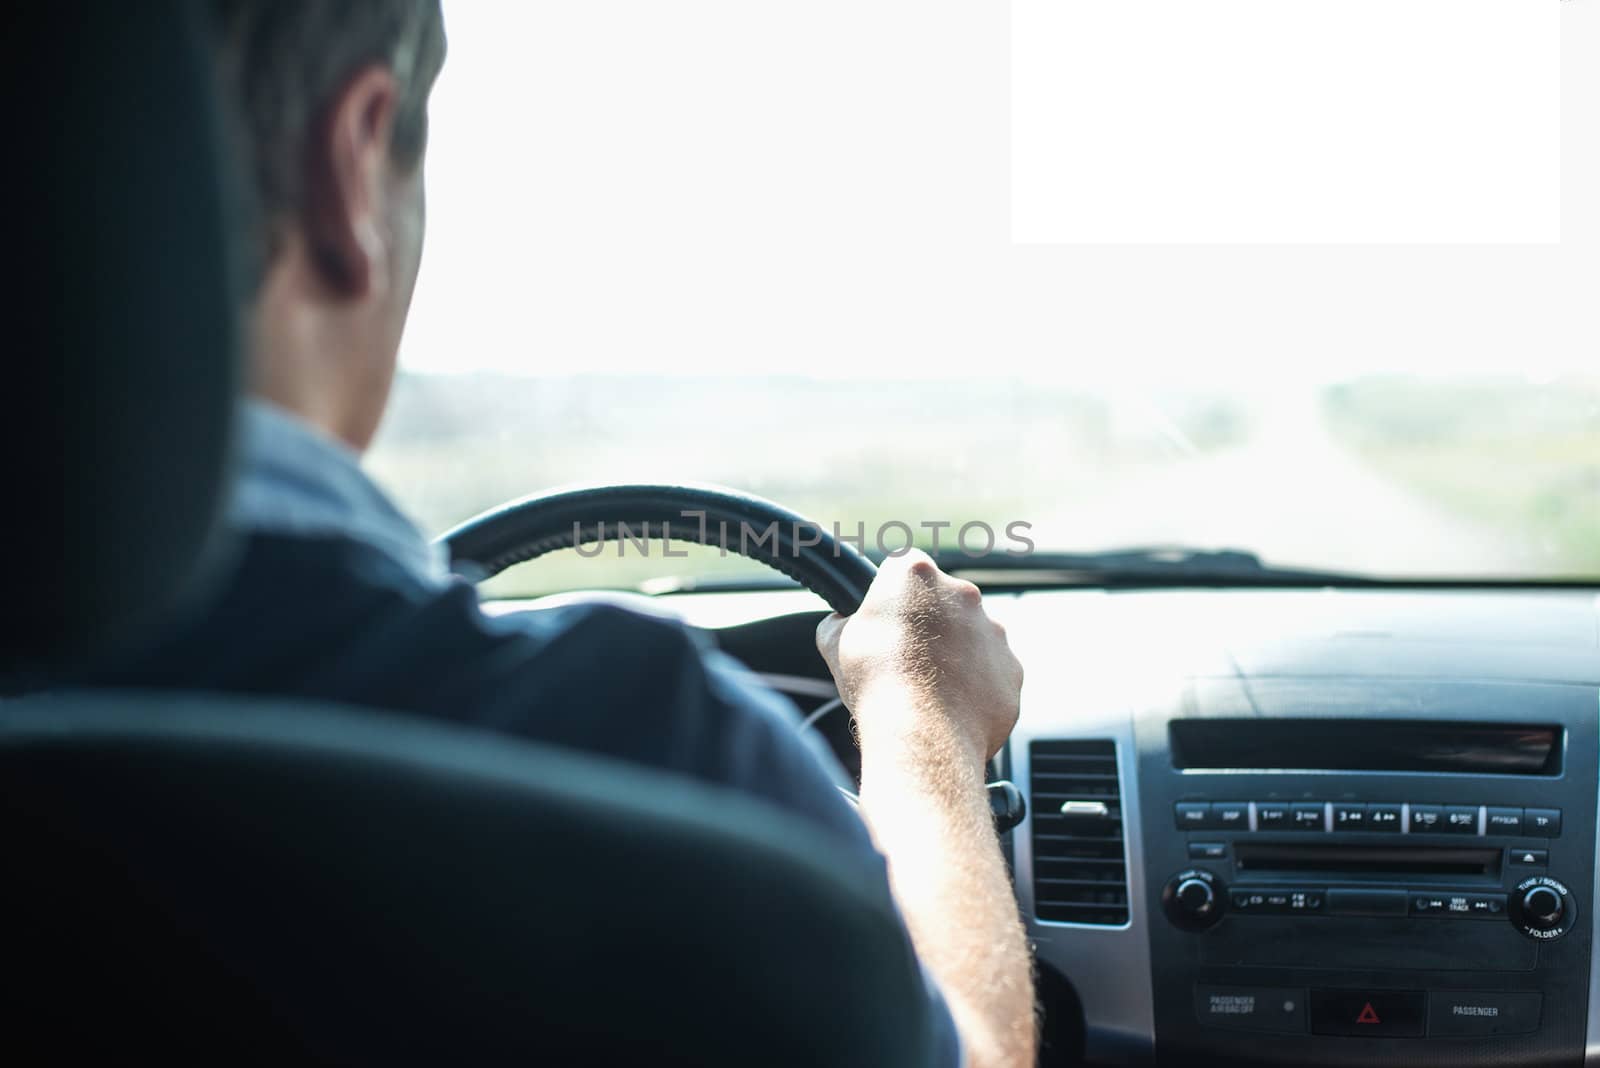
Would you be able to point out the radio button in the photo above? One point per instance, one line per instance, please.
(1529, 858)
(1427, 819)
(1272, 816)
(1309, 816)
(1425, 904)
(1488, 906)
(1503, 820)
(1349, 817)
(1541, 822)
(1461, 819)
(1193, 815)
(1383, 818)
(1230, 815)
(1302, 901)
(1208, 850)
(1463, 1014)
(1249, 900)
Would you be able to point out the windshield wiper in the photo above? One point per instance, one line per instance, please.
(1144, 565)
(1134, 568)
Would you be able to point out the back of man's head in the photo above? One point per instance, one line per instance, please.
(282, 63)
(326, 104)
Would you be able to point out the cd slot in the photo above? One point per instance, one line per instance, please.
(1226, 744)
(1292, 857)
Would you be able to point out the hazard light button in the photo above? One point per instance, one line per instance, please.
(1373, 1013)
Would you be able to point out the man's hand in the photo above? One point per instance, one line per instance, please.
(935, 691)
(921, 644)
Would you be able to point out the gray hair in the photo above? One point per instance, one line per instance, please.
(280, 63)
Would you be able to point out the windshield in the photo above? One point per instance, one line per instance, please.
(1129, 279)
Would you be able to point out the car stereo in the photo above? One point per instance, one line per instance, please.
(1349, 889)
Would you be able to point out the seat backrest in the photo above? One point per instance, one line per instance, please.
(259, 882)
(121, 358)
(247, 882)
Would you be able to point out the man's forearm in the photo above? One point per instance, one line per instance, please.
(922, 792)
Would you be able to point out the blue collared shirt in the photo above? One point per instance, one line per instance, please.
(295, 480)
(345, 599)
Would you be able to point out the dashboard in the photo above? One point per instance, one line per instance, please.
(1321, 827)
(1327, 827)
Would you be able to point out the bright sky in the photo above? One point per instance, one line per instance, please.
(719, 186)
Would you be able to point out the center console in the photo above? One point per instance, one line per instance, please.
(1311, 827)
(1373, 873)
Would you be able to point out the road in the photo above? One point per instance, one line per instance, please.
(1292, 493)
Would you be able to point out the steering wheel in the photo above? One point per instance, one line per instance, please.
(741, 523)
(737, 522)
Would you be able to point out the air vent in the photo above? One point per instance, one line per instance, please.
(1080, 872)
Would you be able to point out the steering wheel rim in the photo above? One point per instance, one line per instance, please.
(730, 519)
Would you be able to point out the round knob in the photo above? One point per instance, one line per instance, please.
(1542, 908)
(1193, 899)
(1194, 896)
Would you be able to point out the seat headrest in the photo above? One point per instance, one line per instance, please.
(122, 365)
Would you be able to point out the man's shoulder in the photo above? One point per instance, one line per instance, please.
(353, 598)
(335, 619)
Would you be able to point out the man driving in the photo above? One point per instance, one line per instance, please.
(327, 108)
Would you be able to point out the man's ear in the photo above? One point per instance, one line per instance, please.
(347, 163)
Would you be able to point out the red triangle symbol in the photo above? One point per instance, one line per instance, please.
(1368, 1015)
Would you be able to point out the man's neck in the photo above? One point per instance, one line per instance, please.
(308, 356)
